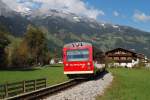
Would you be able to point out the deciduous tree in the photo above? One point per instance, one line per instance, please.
(37, 44)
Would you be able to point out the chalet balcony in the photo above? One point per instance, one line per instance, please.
(119, 55)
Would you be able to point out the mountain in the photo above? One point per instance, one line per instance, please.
(67, 27)
(64, 27)
(13, 21)
(64, 22)
(5, 10)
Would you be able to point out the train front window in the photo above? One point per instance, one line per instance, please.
(78, 55)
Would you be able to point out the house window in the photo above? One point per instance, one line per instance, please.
(123, 58)
(109, 58)
(129, 58)
(116, 58)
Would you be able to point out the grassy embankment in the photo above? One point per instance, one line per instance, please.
(128, 84)
(53, 73)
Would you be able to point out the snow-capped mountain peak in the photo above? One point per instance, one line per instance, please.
(115, 26)
(4, 9)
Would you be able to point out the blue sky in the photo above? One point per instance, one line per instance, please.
(135, 13)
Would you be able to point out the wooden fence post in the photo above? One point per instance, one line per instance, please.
(24, 87)
(6, 90)
(45, 82)
(34, 84)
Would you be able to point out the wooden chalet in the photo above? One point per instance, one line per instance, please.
(122, 57)
(142, 57)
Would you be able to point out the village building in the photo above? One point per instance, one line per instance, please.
(56, 61)
(142, 57)
(147, 62)
(121, 57)
(99, 59)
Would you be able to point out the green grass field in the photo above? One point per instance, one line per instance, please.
(128, 84)
(54, 74)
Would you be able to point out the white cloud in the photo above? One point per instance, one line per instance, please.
(19, 7)
(116, 13)
(141, 16)
(78, 7)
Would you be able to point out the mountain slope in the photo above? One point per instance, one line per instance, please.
(5, 10)
(64, 27)
(13, 21)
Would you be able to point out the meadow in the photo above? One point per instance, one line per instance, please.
(128, 84)
(53, 73)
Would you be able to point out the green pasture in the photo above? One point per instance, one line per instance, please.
(53, 73)
(128, 84)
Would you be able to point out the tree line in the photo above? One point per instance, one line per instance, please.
(31, 50)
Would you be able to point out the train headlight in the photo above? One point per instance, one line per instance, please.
(88, 64)
(67, 64)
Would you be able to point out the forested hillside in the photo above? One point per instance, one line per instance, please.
(60, 28)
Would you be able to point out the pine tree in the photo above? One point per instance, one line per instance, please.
(3, 43)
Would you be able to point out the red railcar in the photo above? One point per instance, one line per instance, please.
(78, 58)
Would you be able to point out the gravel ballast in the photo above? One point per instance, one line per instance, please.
(85, 91)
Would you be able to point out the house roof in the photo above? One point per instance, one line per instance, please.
(121, 49)
(140, 55)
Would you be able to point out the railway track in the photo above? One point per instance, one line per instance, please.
(42, 93)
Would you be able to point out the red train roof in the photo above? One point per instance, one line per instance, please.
(78, 44)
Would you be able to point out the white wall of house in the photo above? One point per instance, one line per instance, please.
(52, 61)
(147, 65)
(99, 65)
(129, 65)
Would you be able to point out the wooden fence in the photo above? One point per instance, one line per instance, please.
(12, 89)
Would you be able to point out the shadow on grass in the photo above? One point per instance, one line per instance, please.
(56, 65)
(100, 75)
(19, 69)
